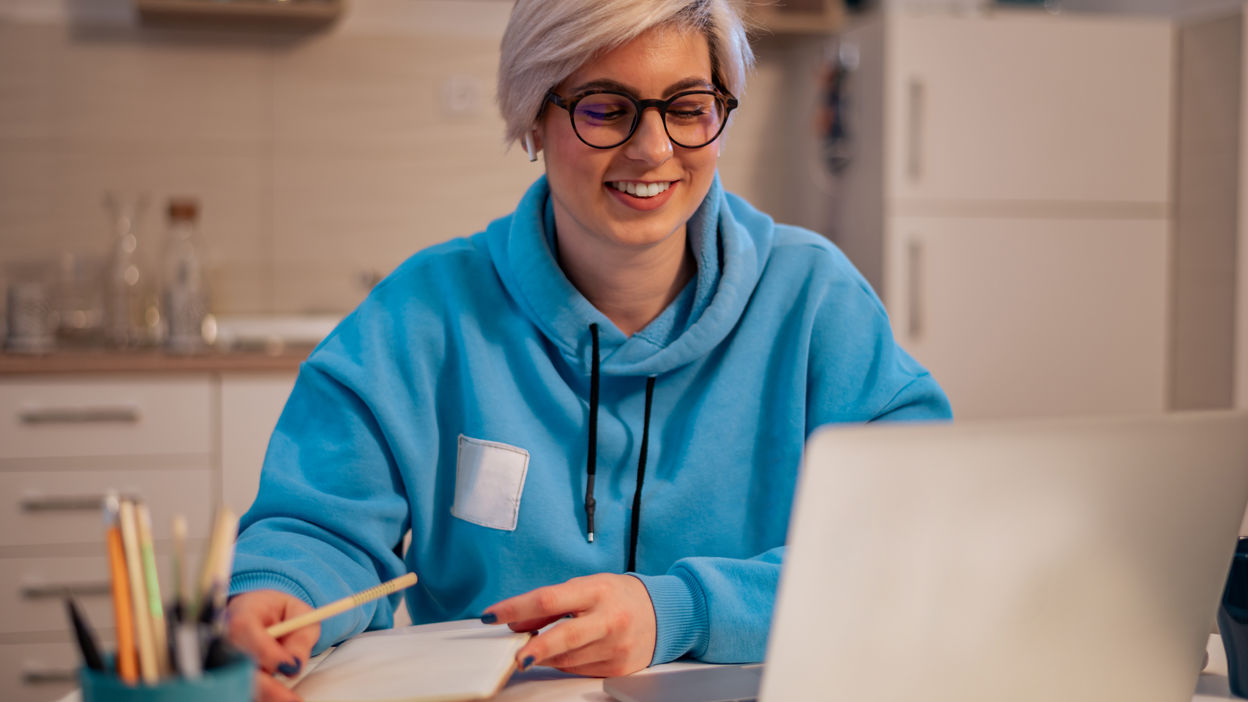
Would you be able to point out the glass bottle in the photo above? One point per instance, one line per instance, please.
(124, 281)
(184, 294)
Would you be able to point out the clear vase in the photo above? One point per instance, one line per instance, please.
(126, 287)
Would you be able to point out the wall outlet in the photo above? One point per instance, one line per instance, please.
(461, 95)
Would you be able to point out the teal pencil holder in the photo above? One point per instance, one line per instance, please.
(228, 683)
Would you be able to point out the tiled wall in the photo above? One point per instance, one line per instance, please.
(317, 158)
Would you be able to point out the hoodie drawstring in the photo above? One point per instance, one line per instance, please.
(591, 467)
(592, 460)
(641, 479)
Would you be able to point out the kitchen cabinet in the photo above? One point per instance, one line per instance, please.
(64, 443)
(250, 406)
(183, 441)
(1009, 197)
(1027, 107)
(106, 416)
(1241, 268)
(1013, 322)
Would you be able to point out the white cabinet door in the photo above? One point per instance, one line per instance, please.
(250, 406)
(1020, 108)
(1033, 317)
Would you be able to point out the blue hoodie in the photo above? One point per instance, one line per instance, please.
(456, 402)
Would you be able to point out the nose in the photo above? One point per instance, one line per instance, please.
(649, 143)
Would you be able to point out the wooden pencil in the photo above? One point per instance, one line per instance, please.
(127, 655)
(321, 613)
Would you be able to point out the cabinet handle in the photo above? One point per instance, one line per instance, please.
(914, 130)
(118, 414)
(914, 289)
(62, 503)
(56, 591)
(49, 676)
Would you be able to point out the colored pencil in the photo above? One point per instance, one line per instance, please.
(151, 584)
(127, 655)
(149, 670)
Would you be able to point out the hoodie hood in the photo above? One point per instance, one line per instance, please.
(730, 241)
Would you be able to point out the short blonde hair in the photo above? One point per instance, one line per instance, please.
(547, 40)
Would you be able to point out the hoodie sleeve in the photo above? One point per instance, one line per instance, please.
(330, 509)
(719, 609)
(857, 372)
(714, 609)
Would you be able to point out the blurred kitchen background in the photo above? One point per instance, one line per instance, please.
(1032, 187)
(321, 142)
(1051, 198)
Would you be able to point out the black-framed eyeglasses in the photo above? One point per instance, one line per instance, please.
(604, 119)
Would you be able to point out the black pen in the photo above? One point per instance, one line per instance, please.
(86, 639)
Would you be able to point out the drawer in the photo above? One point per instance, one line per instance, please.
(105, 417)
(38, 672)
(64, 507)
(32, 591)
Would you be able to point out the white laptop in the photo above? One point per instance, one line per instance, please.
(1072, 559)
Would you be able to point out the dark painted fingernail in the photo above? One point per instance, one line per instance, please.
(290, 668)
(528, 661)
(489, 618)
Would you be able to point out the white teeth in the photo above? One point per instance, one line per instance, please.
(639, 189)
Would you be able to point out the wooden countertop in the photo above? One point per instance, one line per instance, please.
(152, 360)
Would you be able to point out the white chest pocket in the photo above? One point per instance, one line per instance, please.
(489, 478)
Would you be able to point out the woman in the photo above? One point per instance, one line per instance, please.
(597, 406)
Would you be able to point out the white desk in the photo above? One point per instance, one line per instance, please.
(548, 685)
(1213, 684)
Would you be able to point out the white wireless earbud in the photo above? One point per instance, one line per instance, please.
(529, 147)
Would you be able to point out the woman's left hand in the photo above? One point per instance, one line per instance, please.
(610, 631)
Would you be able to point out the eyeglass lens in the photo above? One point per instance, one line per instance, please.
(607, 119)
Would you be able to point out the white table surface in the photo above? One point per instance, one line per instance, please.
(1212, 684)
(549, 685)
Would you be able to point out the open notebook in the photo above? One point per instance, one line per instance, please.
(444, 662)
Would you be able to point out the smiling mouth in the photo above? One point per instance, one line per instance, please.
(641, 190)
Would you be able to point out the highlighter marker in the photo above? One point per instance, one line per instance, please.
(127, 656)
(156, 607)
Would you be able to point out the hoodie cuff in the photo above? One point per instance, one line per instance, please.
(680, 619)
(259, 580)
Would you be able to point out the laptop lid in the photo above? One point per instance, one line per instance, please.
(1041, 560)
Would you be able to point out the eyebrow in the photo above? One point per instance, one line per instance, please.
(606, 84)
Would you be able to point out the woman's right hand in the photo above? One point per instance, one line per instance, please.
(248, 616)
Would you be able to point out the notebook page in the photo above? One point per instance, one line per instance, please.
(444, 662)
